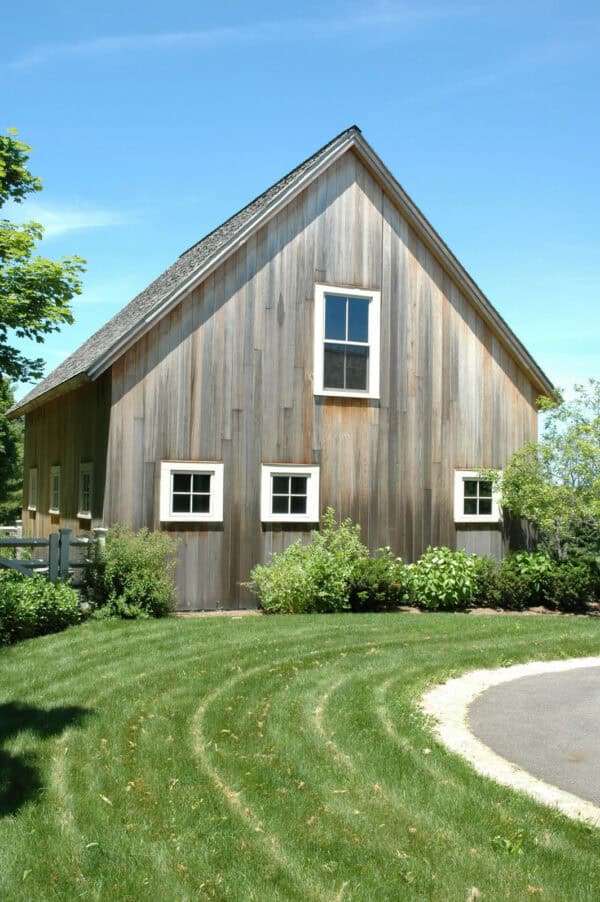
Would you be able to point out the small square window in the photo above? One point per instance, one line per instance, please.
(346, 342)
(86, 471)
(289, 493)
(191, 491)
(54, 501)
(474, 499)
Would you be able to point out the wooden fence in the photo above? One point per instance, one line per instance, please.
(56, 560)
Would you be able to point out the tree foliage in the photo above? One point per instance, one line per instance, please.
(35, 292)
(555, 482)
(11, 458)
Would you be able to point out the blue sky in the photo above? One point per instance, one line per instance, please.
(153, 122)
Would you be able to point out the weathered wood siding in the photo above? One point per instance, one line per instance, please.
(228, 376)
(67, 431)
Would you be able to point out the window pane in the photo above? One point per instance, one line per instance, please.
(358, 319)
(333, 375)
(298, 504)
(485, 505)
(201, 504)
(470, 488)
(470, 505)
(201, 482)
(181, 482)
(485, 488)
(281, 485)
(299, 485)
(335, 317)
(280, 504)
(356, 367)
(181, 504)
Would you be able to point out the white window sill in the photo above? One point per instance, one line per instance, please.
(81, 515)
(54, 511)
(335, 393)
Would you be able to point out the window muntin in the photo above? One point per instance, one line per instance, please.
(32, 491)
(54, 502)
(475, 500)
(191, 491)
(346, 342)
(85, 490)
(289, 493)
(477, 496)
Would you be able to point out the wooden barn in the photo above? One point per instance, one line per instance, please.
(321, 347)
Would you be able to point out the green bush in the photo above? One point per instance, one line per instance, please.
(444, 580)
(524, 580)
(486, 593)
(571, 586)
(31, 606)
(135, 579)
(378, 583)
(314, 577)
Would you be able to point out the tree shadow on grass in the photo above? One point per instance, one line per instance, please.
(20, 779)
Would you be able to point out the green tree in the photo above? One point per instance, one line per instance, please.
(35, 292)
(555, 482)
(11, 458)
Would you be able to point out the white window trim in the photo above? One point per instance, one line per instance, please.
(54, 471)
(213, 469)
(374, 341)
(32, 489)
(312, 489)
(85, 468)
(459, 496)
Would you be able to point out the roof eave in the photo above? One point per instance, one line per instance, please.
(20, 409)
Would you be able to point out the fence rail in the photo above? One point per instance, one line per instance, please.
(58, 563)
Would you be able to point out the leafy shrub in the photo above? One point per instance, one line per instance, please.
(524, 580)
(486, 594)
(444, 580)
(135, 579)
(570, 586)
(378, 583)
(315, 577)
(32, 606)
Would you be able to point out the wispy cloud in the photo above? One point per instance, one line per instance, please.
(382, 17)
(58, 219)
(553, 51)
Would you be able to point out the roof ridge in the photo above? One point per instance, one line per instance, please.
(289, 175)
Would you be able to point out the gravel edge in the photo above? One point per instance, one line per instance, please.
(449, 703)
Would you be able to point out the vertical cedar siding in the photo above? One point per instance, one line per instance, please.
(227, 376)
(67, 431)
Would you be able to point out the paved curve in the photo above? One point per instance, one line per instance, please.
(548, 724)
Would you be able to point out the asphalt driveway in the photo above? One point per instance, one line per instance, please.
(549, 725)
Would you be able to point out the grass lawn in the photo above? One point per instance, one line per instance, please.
(269, 758)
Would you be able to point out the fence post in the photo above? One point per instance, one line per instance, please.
(19, 526)
(53, 556)
(99, 544)
(64, 549)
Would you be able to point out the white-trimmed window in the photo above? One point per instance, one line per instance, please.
(475, 500)
(289, 494)
(191, 491)
(86, 483)
(32, 490)
(346, 349)
(54, 501)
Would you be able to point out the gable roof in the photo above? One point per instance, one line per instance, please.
(97, 354)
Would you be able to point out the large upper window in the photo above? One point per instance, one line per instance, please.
(346, 351)
(289, 494)
(191, 491)
(475, 500)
